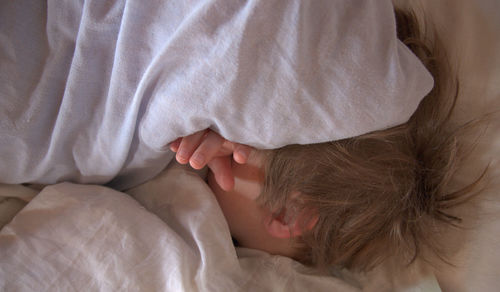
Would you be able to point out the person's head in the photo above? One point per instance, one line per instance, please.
(355, 202)
(252, 224)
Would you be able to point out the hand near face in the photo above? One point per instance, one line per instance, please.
(209, 148)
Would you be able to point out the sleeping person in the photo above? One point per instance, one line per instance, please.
(351, 203)
(354, 162)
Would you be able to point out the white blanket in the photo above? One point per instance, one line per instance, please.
(91, 90)
(470, 28)
(90, 238)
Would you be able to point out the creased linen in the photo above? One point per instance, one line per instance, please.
(92, 238)
(95, 90)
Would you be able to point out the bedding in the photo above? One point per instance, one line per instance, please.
(94, 91)
(93, 238)
(134, 247)
(12, 199)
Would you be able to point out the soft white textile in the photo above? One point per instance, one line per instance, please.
(89, 238)
(12, 199)
(472, 30)
(94, 89)
(92, 238)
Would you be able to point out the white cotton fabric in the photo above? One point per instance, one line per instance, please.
(93, 90)
(12, 199)
(92, 238)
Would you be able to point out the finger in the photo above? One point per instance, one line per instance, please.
(188, 146)
(207, 150)
(223, 174)
(174, 146)
(226, 149)
(241, 153)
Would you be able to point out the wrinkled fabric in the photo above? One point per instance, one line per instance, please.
(95, 90)
(92, 238)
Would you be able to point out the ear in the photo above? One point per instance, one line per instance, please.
(278, 227)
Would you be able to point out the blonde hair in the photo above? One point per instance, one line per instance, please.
(381, 194)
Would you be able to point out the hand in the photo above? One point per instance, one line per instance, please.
(209, 148)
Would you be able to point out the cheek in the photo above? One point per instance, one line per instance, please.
(230, 202)
(241, 212)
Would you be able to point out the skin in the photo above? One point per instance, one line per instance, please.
(207, 148)
(236, 177)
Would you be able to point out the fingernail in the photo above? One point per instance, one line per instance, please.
(197, 159)
(242, 156)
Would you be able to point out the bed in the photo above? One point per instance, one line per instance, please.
(73, 236)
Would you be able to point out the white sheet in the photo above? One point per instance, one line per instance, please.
(471, 30)
(12, 199)
(91, 90)
(90, 238)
